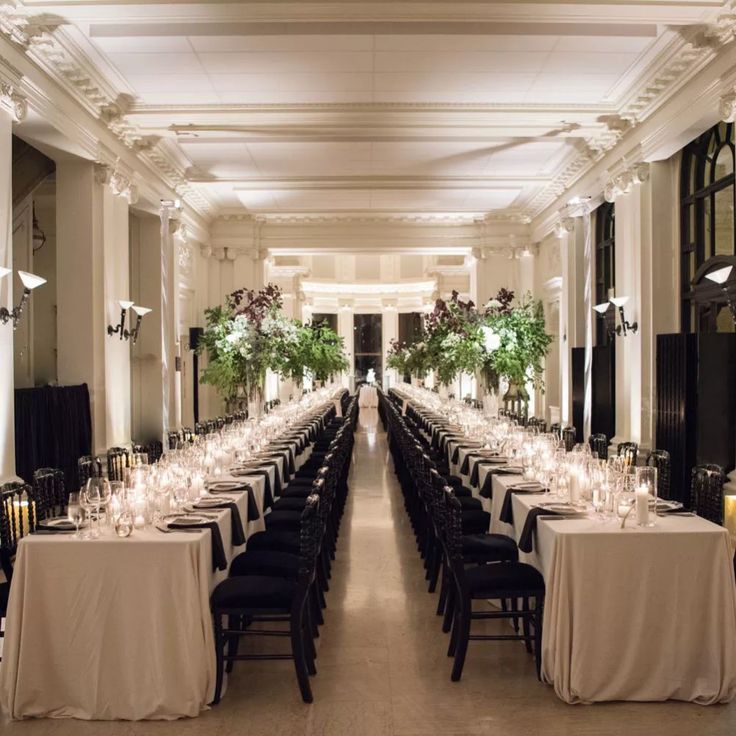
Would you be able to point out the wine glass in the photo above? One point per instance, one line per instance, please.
(97, 489)
(74, 511)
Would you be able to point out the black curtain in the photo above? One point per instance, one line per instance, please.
(53, 428)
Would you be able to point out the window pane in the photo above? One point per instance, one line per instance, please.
(410, 325)
(724, 223)
(329, 319)
(723, 164)
(368, 331)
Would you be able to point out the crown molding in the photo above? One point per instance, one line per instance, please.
(462, 15)
(63, 55)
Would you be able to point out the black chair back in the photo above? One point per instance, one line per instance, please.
(17, 519)
(660, 459)
(568, 437)
(118, 458)
(599, 446)
(49, 493)
(88, 466)
(629, 451)
(706, 492)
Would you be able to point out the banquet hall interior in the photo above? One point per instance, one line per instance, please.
(367, 367)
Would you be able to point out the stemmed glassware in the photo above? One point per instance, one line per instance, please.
(74, 511)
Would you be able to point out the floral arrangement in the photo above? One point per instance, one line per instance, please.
(518, 340)
(502, 339)
(249, 335)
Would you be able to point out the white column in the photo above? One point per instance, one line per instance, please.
(587, 306)
(7, 396)
(390, 332)
(647, 267)
(92, 276)
(170, 377)
(345, 325)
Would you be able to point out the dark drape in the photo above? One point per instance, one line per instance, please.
(53, 428)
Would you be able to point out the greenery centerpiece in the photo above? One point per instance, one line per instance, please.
(504, 339)
(249, 335)
(516, 344)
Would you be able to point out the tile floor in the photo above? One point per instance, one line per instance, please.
(382, 657)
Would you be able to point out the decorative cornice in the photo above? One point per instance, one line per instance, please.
(372, 217)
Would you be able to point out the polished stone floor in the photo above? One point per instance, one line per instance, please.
(382, 658)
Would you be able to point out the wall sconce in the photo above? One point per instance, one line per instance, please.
(721, 276)
(624, 328)
(141, 312)
(124, 307)
(120, 328)
(30, 282)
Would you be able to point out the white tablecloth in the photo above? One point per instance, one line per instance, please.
(644, 614)
(128, 638)
(368, 397)
(117, 628)
(640, 614)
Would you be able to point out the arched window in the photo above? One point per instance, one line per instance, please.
(605, 262)
(706, 222)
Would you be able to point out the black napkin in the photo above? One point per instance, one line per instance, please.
(267, 494)
(475, 475)
(253, 513)
(507, 512)
(219, 561)
(277, 474)
(238, 535)
(466, 465)
(526, 540)
(288, 455)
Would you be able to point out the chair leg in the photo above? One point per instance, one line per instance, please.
(443, 592)
(300, 661)
(463, 636)
(309, 648)
(515, 607)
(449, 606)
(233, 640)
(525, 621)
(434, 571)
(220, 662)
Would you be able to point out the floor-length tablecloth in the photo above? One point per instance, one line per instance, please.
(641, 614)
(368, 397)
(121, 628)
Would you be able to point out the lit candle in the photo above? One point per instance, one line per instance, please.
(642, 506)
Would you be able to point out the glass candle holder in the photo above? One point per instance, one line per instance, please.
(646, 495)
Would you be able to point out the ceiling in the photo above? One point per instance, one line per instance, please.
(375, 107)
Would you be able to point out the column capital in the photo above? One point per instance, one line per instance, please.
(10, 97)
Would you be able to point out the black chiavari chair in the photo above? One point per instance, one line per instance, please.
(118, 458)
(48, 491)
(599, 446)
(88, 466)
(247, 599)
(660, 459)
(706, 492)
(569, 436)
(629, 451)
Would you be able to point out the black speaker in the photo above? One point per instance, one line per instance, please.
(194, 334)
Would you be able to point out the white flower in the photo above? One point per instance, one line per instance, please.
(493, 304)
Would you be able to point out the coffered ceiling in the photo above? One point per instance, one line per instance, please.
(431, 108)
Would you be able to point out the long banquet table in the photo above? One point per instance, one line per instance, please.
(640, 614)
(121, 628)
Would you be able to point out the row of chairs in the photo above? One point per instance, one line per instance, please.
(452, 538)
(283, 575)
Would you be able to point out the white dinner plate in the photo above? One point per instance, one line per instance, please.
(226, 485)
(204, 503)
(187, 520)
(563, 509)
